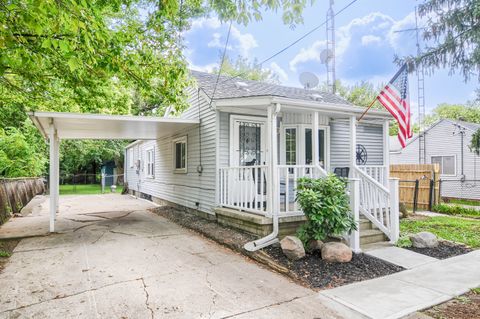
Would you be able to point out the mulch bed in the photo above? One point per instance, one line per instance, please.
(310, 271)
(444, 250)
(316, 273)
(466, 306)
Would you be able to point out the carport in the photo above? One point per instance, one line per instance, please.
(56, 126)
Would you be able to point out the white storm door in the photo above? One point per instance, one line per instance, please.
(248, 142)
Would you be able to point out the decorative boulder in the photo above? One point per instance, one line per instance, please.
(292, 247)
(424, 239)
(314, 245)
(336, 252)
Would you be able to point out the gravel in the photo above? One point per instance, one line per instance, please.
(444, 250)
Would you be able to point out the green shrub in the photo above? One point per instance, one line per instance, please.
(326, 206)
(456, 210)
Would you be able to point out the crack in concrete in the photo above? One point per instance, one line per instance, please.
(96, 214)
(267, 306)
(214, 299)
(59, 297)
(100, 237)
(122, 233)
(82, 220)
(147, 296)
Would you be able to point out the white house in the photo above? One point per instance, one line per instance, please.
(241, 163)
(446, 143)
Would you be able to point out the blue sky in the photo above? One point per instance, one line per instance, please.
(365, 49)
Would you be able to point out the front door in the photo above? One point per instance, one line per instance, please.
(248, 141)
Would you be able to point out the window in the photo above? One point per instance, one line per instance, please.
(150, 163)
(321, 147)
(130, 157)
(447, 164)
(180, 155)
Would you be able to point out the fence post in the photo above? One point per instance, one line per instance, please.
(394, 210)
(415, 196)
(354, 189)
(431, 194)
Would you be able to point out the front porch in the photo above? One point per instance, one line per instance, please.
(268, 153)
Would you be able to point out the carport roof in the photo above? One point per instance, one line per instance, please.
(98, 126)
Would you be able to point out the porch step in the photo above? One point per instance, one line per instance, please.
(370, 236)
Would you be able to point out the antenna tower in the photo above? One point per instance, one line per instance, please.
(421, 100)
(330, 62)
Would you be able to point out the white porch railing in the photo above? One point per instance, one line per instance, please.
(377, 203)
(287, 177)
(378, 173)
(244, 187)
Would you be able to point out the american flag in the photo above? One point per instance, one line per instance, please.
(395, 99)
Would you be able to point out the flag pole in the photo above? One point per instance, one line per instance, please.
(368, 108)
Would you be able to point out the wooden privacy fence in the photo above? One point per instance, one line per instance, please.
(419, 184)
(15, 193)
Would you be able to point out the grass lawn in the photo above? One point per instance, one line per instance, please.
(449, 228)
(464, 202)
(85, 189)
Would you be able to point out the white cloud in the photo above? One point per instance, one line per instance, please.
(370, 39)
(210, 23)
(245, 42)
(203, 68)
(311, 53)
(279, 71)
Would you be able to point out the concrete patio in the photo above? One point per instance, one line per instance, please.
(111, 258)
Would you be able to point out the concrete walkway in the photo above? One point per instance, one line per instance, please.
(403, 257)
(408, 291)
(114, 259)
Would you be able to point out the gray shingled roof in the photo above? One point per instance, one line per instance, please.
(472, 126)
(229, 87)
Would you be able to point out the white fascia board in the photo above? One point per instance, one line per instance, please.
(263, 102)
(133, 143)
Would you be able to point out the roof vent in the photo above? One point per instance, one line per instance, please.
(316, 97)
(241, 85)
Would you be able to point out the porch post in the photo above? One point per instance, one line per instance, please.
(315, 150)
(269, 161)
(394, 210)
(274, 165)
(57, 173)
(53, 181)
(354, 188)
(386, 152)
(353, 144)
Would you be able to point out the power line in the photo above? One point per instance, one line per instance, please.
(221, 63)
(294, 42)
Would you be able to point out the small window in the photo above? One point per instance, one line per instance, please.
(447, 164)
(150, 163)
(130, 157)
(180, 155)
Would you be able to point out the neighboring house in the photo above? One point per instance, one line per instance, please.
(254, 140)
(446, 143)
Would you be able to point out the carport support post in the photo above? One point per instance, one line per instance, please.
(53, 141)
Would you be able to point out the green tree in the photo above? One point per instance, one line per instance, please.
(452, 35)
(461, 112)
(244, 69)
(475, 142)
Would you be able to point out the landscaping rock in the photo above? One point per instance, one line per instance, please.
(424, 239)
(314, 245)
(292, 247)
(336, 252)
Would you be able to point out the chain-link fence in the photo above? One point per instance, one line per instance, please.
(462, 189)
(89, 183)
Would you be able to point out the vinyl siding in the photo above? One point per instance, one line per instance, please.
(371, 137)
(440, 140)
(191, 187)
(339, 143)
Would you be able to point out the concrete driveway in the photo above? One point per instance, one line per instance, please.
(112, 258)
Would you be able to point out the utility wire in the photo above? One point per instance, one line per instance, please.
(221, 63)
(293, 43)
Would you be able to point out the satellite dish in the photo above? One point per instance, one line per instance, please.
(325, 56)
(308, 80)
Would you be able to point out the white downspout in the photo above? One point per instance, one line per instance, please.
(273, 203)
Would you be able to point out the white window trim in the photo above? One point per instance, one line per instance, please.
(454, 161)
(182, 139)
(150, 149)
